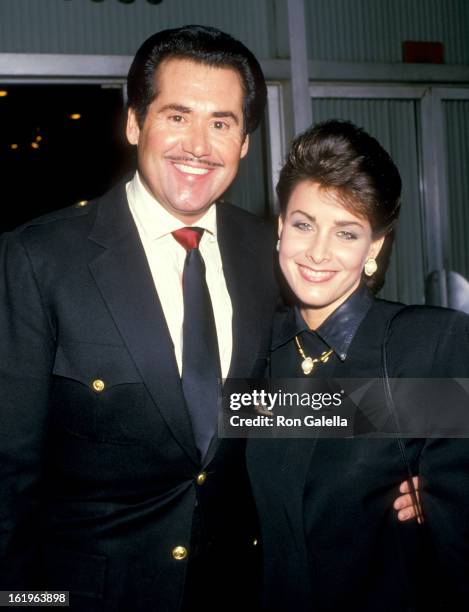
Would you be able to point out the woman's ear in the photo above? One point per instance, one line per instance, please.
(376, 247)
(280, 226)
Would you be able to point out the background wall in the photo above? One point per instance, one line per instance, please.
(340, 30)
(110, 27)
(373, 30)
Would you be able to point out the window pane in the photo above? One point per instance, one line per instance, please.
(394, 124)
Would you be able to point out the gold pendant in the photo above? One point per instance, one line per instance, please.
(307, 365)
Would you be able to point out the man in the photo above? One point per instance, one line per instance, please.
(104, 488)
(113, 484)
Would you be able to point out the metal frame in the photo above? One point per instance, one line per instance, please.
(46, 66)
(277, 137)
(51, 68)
(298, 65)
(375, 91)
(435, 185)
(375, 72)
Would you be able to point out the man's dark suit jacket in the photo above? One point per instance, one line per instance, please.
(98, 480)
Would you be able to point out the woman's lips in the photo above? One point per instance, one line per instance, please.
(315, 276)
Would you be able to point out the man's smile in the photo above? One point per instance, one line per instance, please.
(191, 169)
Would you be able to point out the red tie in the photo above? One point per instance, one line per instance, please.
(200, 356)
(189, 237)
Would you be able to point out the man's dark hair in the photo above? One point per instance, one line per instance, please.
(343, 159)
(200, 44)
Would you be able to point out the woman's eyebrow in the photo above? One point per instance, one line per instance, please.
(302, 212)
(345, 223)
(337, 222)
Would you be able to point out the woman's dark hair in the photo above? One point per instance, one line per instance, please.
(200, 44)
(343, 158)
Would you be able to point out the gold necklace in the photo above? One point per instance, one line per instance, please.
(309, 363)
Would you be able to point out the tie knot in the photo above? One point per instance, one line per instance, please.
(189, 237)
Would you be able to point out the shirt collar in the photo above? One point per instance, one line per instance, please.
(154, 219)
(337, 331)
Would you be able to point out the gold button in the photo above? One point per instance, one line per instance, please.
(81, 203)
(98, 385)
(201, 478)
(179, 553)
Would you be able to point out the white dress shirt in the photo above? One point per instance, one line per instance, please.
(166, 260)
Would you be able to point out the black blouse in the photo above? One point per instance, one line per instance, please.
(336, 333)
(331, 539)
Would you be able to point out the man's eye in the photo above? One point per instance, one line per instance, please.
(220, 125)
(176, 118)
(347, 235)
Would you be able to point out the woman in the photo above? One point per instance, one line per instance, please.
(331, 541)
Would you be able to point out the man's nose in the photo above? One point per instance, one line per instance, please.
(197, 141)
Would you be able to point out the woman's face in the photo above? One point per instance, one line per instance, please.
(323, 249)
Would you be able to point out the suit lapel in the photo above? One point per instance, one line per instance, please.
(124, 279)
(240, 270)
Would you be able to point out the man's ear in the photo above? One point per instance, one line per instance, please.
(132, 131)
(244, 147)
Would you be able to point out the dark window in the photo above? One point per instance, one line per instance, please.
(49, 157)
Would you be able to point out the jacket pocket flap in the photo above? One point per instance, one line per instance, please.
(88, 363)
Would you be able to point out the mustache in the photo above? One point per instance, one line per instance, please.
(194, 160)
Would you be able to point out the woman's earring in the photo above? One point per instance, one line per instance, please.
(278, 245)
(370, 266)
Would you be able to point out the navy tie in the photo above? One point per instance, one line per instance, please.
(200, 357)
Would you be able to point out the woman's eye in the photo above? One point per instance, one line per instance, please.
(302, 225)
(347, 235)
